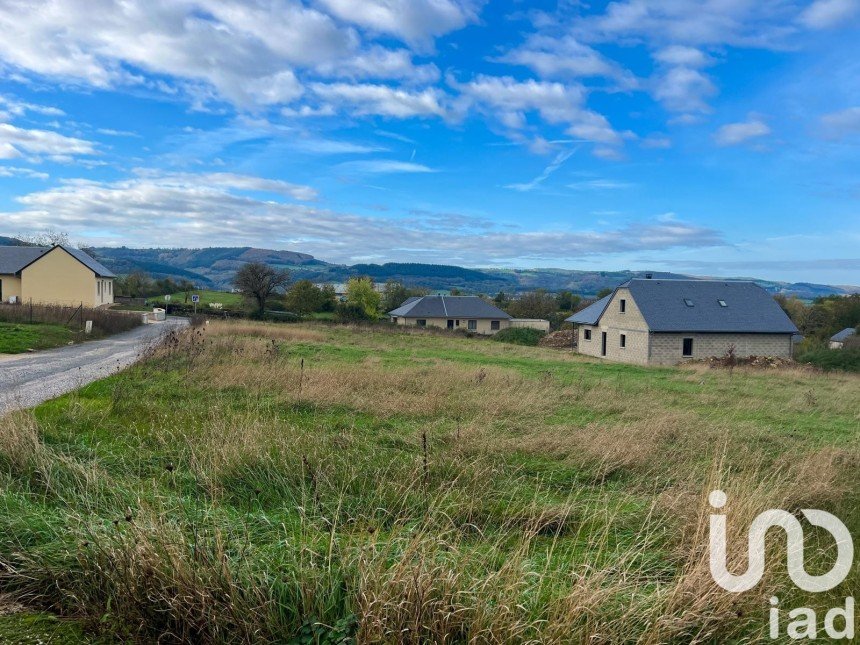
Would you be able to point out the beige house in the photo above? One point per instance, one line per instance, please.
(665, 322)
(468, 313)
(53, 275)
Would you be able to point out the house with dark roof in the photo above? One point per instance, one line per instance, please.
(664, 322)
(53, 275)
(837, 340)
(469, 313)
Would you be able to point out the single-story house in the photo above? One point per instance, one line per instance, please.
(837, 340)
(664, 322)
(54, 275)
(469, 313)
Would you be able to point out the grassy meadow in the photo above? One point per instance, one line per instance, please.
(253, 482)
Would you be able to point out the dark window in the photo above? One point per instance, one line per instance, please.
(421, 322)
(687, 349)
(622, 305)
(473, 325)
(587, 334)
(623, 340)
(494, 325)
(450, 324)
(722, 303)
(688, 302)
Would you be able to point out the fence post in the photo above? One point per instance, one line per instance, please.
(31, 311)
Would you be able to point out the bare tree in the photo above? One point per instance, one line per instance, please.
(48, 237)
(259, 282)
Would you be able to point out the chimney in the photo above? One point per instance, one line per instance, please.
(648, 276)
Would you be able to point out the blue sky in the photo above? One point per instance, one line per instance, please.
(716, 137)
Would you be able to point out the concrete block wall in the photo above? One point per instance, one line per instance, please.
(667, 349)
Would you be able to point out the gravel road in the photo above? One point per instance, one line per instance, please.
(29, 379)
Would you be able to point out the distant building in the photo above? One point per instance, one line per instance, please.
(53, 275)
(664, 322)
(837, 340)
(468, 313)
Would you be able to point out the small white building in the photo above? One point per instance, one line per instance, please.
(837, 340)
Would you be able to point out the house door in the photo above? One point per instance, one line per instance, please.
(603, 343)
(450, 324)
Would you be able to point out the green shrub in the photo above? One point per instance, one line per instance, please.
(847, 359)
(519, 336)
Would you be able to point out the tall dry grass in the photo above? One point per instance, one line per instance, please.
(401, 501)
(105, 322)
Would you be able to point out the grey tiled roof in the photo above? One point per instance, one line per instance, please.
(448, 307)
(15, 258)
(843, 335)
(591, 314)
(91, 263)
(664, 305)
(749, 308)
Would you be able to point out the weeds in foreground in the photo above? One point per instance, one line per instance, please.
(242, 486)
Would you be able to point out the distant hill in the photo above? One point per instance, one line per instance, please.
(9, 241)
(214, 268)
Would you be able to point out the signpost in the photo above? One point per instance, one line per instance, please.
(167, 303)
(195, 299)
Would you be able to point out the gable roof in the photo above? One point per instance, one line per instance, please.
(845, 334)
(15, 258)
(592, 313)
(90, 262)
(23, 256)
(694, 306)
(448, 307)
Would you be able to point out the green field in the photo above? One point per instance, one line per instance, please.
(16, 338)
(313, 484)
(230, 300)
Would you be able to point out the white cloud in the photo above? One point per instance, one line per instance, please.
(825, 14)
(381, 63)
(383, 166)
(12, 171)
(146, 211)
(40, 142)
(382, 99)
(243, 52)
(566, 57)
(838, 125)
(683, 89)
(415, 21)
(12, 107)
(244, 182)
(8, 151)
(762, 23)
(682, 56)
(732, 134)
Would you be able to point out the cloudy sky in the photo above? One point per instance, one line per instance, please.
(716, 137)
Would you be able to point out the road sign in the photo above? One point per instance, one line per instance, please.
(167, 298)
(195, 298)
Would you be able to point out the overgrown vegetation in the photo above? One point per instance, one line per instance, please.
(519, 336)
(43, 326)
(260, 483)
(847, 359)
